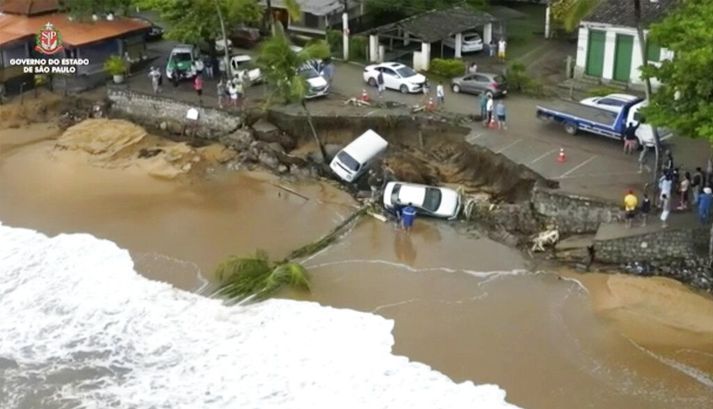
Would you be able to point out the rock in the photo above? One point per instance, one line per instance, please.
(241, 139)
(267, 132)
(275, 147)
(268, 160)
(283, 169)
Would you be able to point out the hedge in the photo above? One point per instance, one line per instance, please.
(447, 68)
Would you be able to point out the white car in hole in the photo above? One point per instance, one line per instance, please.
(470, 42)
(396, 76)
(611, 102)
(432, 201)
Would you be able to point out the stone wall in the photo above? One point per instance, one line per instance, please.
(168, 115)
(662, 246)
(574, 214)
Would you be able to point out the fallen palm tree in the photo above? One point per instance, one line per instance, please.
(256, 277)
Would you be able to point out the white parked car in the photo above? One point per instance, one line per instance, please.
(220, 45)
(470, 42)
(396, 76)
(241, 66)
(429, 200)
(317, 86)
(611, 102)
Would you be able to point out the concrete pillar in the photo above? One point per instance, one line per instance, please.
(488, 33)
(373, 48)
(407, 41)
(547, 21)
(381, 54)
(425, 55)
(636, 63)
(459, 45)
(609, 47)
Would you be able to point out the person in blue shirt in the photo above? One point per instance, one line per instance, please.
(408, 215)
(704, 205)
(500, 114)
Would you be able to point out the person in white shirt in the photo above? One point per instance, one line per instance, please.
(489, 108)
(501, 48)
(440, 93)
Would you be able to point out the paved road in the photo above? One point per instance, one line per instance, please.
(595, 166)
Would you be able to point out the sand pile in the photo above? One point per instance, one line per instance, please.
(117, 143)
(33, 109)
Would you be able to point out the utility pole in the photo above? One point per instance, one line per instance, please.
(225, 40)
(345, 31)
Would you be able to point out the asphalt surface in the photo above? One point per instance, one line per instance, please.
(594, 166)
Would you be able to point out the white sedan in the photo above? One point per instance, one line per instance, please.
(470, 42)
(396, 76)
(433, 201)
(611, 102)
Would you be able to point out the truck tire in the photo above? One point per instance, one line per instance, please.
(570, 128)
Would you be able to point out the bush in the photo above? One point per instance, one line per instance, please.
(115, 65)
(519, 81)
(357, 48)
(447, 68)
(334, 39)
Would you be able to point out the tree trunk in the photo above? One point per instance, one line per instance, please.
(314, 132)
(270, 17)
(225, 40)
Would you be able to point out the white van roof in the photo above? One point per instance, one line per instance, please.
(366, 146)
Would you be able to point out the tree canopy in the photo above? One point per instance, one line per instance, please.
(192, 21)
(684, 102)
(83, 9)
(398, 9)
(571, 12)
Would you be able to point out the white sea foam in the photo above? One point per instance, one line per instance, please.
(79, 327)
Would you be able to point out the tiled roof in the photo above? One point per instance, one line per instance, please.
(437, 25)
(621, 12)
(28, 7)
(74, 33)
(315, 7)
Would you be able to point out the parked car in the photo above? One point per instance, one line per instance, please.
(154, 33)
(241, 66)
(220, 45)
(244, 36)
(182, 61)
(611, 102)
(352, 161)
(470, 42)
(429, 200)
(396, 76)
(317, 86)
(490, 84)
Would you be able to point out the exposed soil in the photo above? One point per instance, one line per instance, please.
(35, 108)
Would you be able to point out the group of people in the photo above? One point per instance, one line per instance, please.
(498, 48)
(493, 113)
(233, 90)
(677, 191)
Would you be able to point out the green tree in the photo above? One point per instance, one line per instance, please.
(281, 68)
(83, 9)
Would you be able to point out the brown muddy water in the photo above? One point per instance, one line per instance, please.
(464, 305)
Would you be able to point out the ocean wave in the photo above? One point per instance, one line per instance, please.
(81, 328)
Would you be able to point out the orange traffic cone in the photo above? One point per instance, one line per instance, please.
(430, 106)
(364, 96)
(561, 158)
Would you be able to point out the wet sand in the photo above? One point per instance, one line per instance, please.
(551, 343)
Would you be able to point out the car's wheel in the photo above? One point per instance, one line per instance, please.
(456, 88)
(371, 82)
(570, 128)
(403, 89)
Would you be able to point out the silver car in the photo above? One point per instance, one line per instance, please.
(480, 82)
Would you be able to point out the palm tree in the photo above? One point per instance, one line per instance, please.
(281, 67)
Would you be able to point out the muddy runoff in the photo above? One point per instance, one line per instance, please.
(463, 304)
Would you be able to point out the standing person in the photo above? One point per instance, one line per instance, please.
(645, 209)
(380, 83)
(425, 89)
(473, 68)
(704, 205)
(328, 71)
(630, 203)
(697, 184)
(408, 216)
(220, 89)
(233, 92)
(209, 67)
(665, 209)
(665, 185)
(501, 48)
(198, 65)
(484, 108)
(440, 94)
(500, 113)
(630, 138)
(668, 162)
(683, 190)
(491, 48)
(240, 90)
(489, 108)
(155, 76)
(198, 86)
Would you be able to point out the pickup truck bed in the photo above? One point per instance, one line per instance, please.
(578, 110)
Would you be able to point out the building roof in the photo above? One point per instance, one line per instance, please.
(316, 7)
(437, 25)
(28, 7)
(621, 12)
(74, 33)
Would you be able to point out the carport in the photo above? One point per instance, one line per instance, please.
(428, 28)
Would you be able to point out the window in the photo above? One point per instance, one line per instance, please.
(611, 102)
(406, 72)
(432, 200)
(348, 161)
(388, 71)
(311, 20)
(653, 51)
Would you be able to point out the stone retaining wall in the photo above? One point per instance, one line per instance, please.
(158, 113)
(665, 246)
(574, 214)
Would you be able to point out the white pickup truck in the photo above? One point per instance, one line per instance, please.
(241, 66)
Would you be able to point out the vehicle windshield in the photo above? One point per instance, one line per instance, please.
(182, 57)
(432, 199)
(349, 162)
(471, 37)
(308, 72)
(406, 72)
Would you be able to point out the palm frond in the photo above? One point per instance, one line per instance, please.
(293, 275)
(243, 276)
(317, 49)
(293, 10)
(578, 10)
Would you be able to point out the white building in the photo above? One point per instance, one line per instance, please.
(317, 15)
(608, 47)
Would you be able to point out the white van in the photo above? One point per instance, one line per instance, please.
(356, 157)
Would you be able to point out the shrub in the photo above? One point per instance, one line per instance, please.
(357, 48)
(334, 39)
(115, 65)
(447, 68)
(519, 81)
